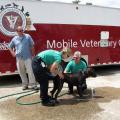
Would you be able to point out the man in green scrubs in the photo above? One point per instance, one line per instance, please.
(73, 67)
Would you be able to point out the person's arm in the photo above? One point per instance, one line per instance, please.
(33, 51)
(65, 71)
(68, 68)
(11, 48)
(12, 51)
(68, 71)
(84, 68)
(32, 46)
(55, 70)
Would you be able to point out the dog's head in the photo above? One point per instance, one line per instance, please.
(90, 72)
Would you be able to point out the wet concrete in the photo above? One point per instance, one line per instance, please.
(105, 105)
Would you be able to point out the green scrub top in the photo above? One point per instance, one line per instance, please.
(72, 67)
(50, 56)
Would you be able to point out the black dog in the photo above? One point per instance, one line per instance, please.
(78, 80)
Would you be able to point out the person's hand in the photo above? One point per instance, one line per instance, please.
(12, 51)
(33, 56)
(13, 54)
(61, 75)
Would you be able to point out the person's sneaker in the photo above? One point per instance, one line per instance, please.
(24, 87)
(57, 102)
(48, 103)
(82, 97)
(34, 88)
(70, 92)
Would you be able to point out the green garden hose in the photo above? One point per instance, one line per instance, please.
(17, 100)
(30, 103)
(30, 93)
(14, 94)
(20, 97)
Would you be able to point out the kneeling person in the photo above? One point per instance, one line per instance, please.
(72, 73)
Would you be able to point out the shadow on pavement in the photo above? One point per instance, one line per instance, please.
(10, 80)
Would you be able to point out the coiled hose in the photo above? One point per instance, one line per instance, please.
(18, 99)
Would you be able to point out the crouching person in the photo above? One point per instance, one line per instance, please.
(45, 66)
(73, 73)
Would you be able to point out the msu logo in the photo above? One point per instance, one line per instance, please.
(11, 16)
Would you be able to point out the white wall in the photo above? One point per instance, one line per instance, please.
(63, 13)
